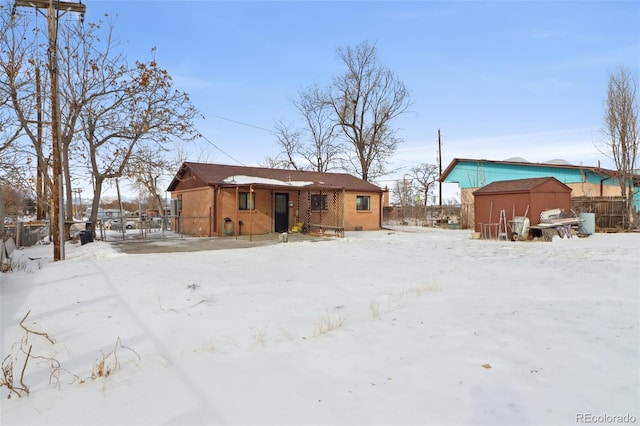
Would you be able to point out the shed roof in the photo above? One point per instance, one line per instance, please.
(519, 185)
(226, 175)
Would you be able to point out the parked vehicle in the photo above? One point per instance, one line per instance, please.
(117, 223)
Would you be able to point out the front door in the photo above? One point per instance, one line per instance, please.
(281, 212)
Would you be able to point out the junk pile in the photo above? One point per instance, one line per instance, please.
(556, 221)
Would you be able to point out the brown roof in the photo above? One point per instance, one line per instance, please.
(225, 175)
(517, 185)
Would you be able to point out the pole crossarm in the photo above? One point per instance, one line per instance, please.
(45, 4)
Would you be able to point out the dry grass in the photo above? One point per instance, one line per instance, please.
(259, 335)
(328, 323)
(8, 380)
(23, 352)
(374, 307)
(109, 362)
(285, 334)
(401, 298)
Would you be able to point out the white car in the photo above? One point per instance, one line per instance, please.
(116, 221)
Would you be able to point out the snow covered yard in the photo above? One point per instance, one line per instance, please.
(410, 326)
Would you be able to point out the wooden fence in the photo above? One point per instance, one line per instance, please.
(422, 215)
(609, 211)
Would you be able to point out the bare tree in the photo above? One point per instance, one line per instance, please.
(22, 127)
(425, 176)
(15, 55)
(81, 51)
(621, 127)
(108, 108)
(288, 138)
(15, 183)
(93, 74)
(146, 168)
(273, 163)
(313, 146)
(322, 150)
(365, 100)
(132, 110)
(403, 192)
(348, 125)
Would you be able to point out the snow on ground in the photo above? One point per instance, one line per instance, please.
(406, 326)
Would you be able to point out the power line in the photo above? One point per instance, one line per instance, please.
(221, 150)
(245, 124)
(236, 122)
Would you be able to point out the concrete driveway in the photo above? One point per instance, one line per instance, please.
(170, 242)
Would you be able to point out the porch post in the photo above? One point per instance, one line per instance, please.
(252, 205)
(235, 231)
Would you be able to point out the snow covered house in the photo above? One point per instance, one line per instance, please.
(223, 200)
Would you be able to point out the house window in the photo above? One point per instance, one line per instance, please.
(362, 202)
(246, 201)
(318, 202)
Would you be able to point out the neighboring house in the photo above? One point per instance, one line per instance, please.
(222, 200)
(584, 181)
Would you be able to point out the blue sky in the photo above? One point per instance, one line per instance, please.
(500, 79)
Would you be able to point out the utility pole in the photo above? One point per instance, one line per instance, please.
(440, 171)
(79, 208)
(40, 192)
(53, 13)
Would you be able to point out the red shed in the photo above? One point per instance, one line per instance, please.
(520, 197)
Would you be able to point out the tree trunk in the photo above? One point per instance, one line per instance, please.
(2, 211)
(95, 204)
(161, 211)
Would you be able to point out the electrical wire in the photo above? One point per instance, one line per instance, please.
(221, 150)
(236, 122)
(245, 124)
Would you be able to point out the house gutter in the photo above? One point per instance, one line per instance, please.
(602, 185)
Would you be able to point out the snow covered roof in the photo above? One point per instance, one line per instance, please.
(256, 180)
(225, 175)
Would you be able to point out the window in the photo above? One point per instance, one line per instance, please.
(246, 202)
(318, 202)
(362, 202)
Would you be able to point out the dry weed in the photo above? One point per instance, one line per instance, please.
(401, 298)
(328, 323)
(109, 362)
(374, 306)
(258, 337)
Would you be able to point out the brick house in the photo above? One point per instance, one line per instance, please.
(222, 200)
